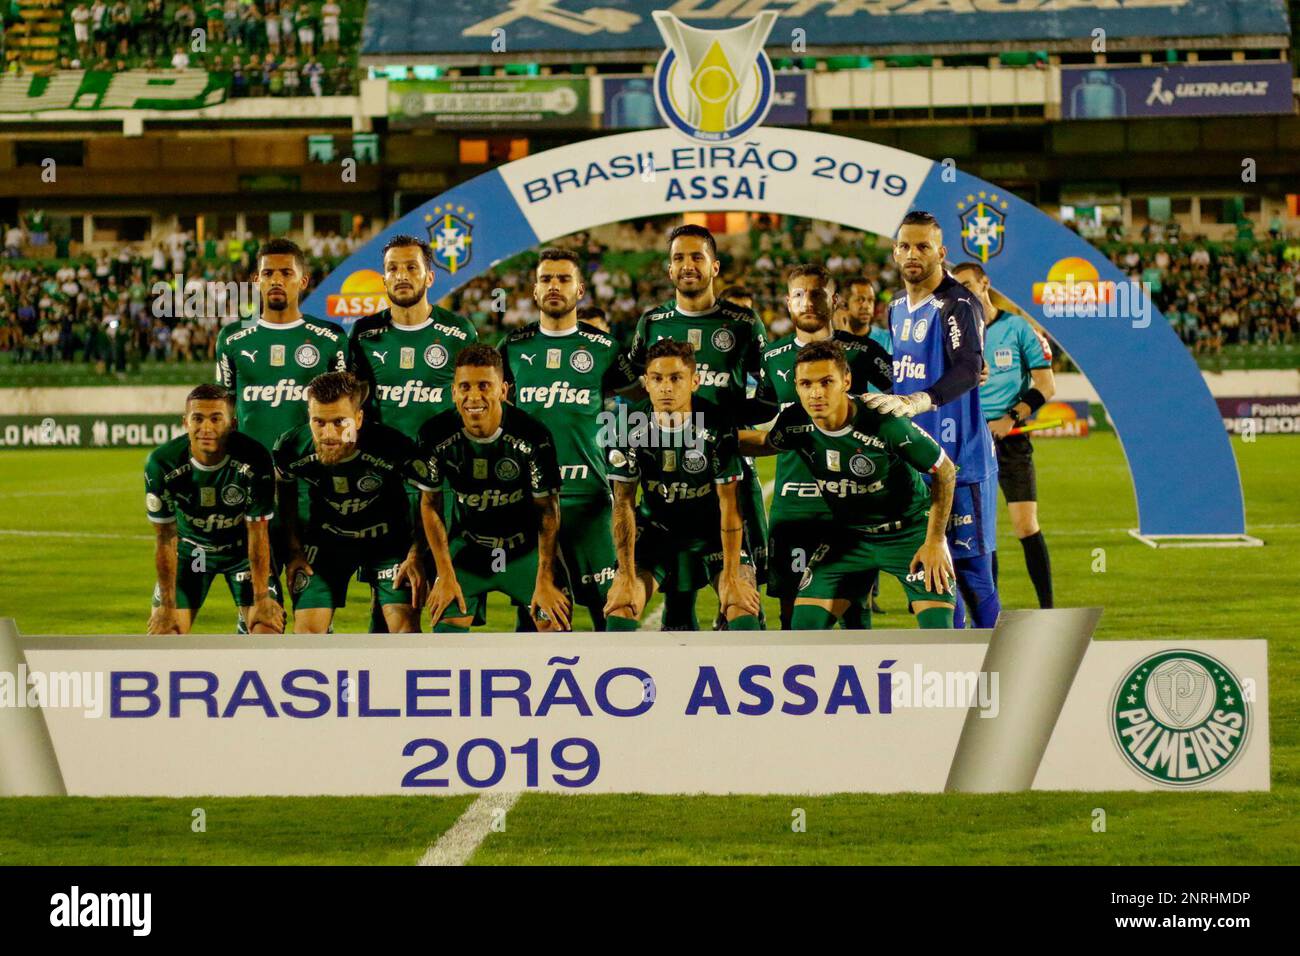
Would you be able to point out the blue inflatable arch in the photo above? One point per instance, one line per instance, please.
(1178, 452)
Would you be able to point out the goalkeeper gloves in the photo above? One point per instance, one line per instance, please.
(899, 405)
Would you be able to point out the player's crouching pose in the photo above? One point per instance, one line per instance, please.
(869, 466)
(687, 535)
(501, 464)
(358, 514)
(210, 495)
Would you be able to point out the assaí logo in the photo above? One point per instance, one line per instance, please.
(714, 85)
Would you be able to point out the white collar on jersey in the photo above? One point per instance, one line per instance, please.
(558, 333)
(411, 328)
(280, 325)
(695, 315)
(491, 438)
(202, 467)
(914, 308)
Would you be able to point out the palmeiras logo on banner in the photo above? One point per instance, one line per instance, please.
(1180, 718)
(450, 234)
(983, 224)
(714, 85)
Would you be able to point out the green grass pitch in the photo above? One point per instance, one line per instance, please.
(77, 559)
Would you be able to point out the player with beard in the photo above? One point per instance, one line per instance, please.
(266, 363)
(560, 370)
(798, 519)
(406, 354)
(729, 343)
(937, 327)
(359, 522)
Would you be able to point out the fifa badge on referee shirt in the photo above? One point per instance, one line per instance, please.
(277, 355)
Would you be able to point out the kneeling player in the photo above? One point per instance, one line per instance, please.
(359, 516)
(687, 536)
(500, 462)
(210, 495)
(868, 466)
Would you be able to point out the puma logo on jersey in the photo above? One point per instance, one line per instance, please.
(527, 358)
(382, 356)
(251, 356)
(784, 373)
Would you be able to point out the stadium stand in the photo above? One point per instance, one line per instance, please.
(1233, 304)
(267, 47)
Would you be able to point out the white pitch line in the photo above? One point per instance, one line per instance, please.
(21, 533)
(457, 845)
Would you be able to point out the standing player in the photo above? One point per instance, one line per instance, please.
(1020, 383)
(868, 465)
(860, 314)
(937, 328)
(799, 515)
(728, 342)
(406, 354)
(685, 536)
(500, 463)
(358, 520)
(267, 363)
(560, 371)
(210, 495)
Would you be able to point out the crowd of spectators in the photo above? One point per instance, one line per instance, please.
(158, 302)
(267, 47)
(1214, 295)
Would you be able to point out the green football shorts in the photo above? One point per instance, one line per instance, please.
(586, 545)
(844, 568)
(679, 563)
(192, 585)
(333, 562)
(480, 571)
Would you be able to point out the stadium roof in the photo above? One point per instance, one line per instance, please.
(460, 32)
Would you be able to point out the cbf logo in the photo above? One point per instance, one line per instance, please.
(450, 229)
(714, 85)
(983, 224)
(1180, 718)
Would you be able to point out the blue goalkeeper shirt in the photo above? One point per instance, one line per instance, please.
(939, 349)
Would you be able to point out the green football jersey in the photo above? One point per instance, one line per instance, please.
(409, 368)
(362, 497)
(729, 343)
(797, 494)
(210, 504)
(268, 368)
(869, 471)
(494, 479)
(561, 379)
(678, 468)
